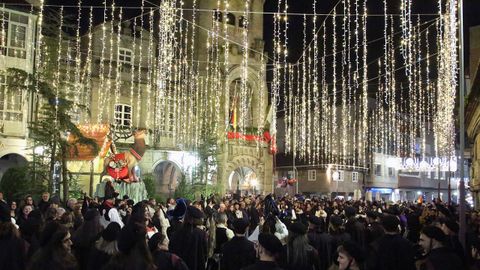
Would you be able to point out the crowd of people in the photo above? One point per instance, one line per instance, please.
(234, 232)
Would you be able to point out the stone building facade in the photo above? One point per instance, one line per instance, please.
(166, 160)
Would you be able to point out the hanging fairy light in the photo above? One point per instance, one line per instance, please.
(88, 71)
(102, 94)
(119, 66)
(77, 91)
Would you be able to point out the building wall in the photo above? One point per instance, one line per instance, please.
(232, 154)
(472, 120)
(14, 131)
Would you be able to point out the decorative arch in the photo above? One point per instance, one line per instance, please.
(11, 160)
(249, 162)
(167, 175)
(254, 82)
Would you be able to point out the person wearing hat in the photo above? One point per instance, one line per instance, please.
(299, 254)
(450, 227)
(105, 247)
(351, 256)
(392, 251)
(176, 216)
(320, 240)
(437, 255)
(337, 231)
(374, 230)
(109, 212)
(355, 228)
(268, 249)
(239, 252)
(189, 242)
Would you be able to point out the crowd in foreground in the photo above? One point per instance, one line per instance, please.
(230, 233)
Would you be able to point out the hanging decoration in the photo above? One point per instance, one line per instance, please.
(341, 101)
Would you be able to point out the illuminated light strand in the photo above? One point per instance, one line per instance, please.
(110, 69)
(302, 131)
(88, 71)
(39, 47)
(226, 50)
(140, 64)
(317, 110)
(102, 94)
(326, 143)
(245, 91)
(334, 138)
(133, 84)
(118, 66)
(344, 94)
(363, 143)
(77, 91)
(150, 70)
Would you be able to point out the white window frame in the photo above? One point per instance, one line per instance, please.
(8, 49)
(341, 176)
(312, 175)
(122, 116)
(354, 177)
(9, 101)
(124, 58)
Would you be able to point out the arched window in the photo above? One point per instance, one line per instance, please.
(231, 19)
(241, 112)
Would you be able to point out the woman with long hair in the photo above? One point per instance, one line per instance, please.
(351, 256)
(158, 245)
(85, 236)
(55, 250)
(12, 246)
(134, 253)
(300, 254)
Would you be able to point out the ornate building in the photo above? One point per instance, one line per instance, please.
(472, 113)
(243, 159)
(17, 34)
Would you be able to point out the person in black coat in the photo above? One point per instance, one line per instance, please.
(189, 242)
(268, 250)
(451, 228)
(437, 255)
(298, 254)
(394, 252)
(158, 245)
(44, 203)
(320, 240)
(85, 236)
(239, 251)
(12, 247)
(355, 228)
(104, 248)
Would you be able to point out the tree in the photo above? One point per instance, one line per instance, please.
(16, 183)
(54, 128)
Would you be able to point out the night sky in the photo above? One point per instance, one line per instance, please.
(374, 24)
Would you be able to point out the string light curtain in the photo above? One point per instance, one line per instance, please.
(336, 109)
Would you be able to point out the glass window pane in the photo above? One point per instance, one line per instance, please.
(18, 36)
(18, 18)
